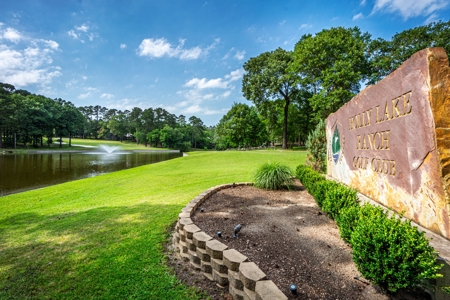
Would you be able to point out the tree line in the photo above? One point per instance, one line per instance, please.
(291, 91)
(27, 118)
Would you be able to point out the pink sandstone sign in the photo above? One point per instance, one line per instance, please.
(391, 142)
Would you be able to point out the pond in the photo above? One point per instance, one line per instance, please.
(22, 172)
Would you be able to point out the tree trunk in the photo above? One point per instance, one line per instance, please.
(285, 123)
(60, 141)
(70, 139)
(1, 138)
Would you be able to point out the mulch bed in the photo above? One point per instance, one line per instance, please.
(286, 234)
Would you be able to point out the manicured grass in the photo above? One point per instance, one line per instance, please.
(125, 145)
(103, 237)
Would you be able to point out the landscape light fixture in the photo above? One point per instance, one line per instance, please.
(236, 230)
(219, 233)
(202, 209)
(293, 289)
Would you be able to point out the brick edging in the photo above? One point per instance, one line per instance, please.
(218, 263)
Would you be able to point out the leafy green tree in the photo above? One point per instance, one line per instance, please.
(119, 125)
(241, 126)
(386, 56)
(197, 128)
(268, 78)
(331, 64)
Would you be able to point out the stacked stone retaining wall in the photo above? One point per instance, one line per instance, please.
(227, 267)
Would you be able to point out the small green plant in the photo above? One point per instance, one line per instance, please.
(446, 289)
(316, 144)
(390, 252)
(273, 176)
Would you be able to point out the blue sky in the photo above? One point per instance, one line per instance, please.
(184, 56)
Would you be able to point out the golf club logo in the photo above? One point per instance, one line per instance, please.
(336, 145)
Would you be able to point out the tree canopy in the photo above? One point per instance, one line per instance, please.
(268, 78)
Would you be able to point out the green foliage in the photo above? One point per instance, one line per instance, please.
(347, 219)
(273, 176)
(391, 253)
(240, 127)
(387, 251)
(308, 177)
(446, 289)
(317, 148)
(331, 64)
(338, 197)
(386, 56)
(268, 78)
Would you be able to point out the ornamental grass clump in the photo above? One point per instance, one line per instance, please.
(273, 176)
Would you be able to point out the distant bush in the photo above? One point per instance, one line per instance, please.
(390, 252)
(273, 176)
(316, 144)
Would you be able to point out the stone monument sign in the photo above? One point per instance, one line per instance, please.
(391, 142)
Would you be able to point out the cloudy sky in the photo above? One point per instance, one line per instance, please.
(184, 56)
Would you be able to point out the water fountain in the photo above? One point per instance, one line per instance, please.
(109, 149)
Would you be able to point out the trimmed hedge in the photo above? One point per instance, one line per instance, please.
(386, 250)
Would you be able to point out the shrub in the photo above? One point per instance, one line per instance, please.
(272, 176)
(347, 219)
(316, 144)
(338, 197)
(391, 253)
(308, 177)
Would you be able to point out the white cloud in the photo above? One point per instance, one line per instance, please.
(235, 75)
(91, 89)
(106, 96)
(408, 8)
(240, 55)
(83, 28)
(84, 77)
(28, 64)
(75, 36)
(123, 46)
(157, 48)
(207, 84)
(304, 26)
(52, 44)
(71, 83)
(431, 18)
(127, 104)
(203, 91)
(363, 2)
(84, 96)
(358, 16)
(282, 22)
(11, 35)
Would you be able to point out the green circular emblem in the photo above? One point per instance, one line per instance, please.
(336, 145)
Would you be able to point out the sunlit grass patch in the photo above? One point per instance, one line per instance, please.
(103, 237)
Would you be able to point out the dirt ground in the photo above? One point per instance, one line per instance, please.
(286, 234)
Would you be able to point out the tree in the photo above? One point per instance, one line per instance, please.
(241, 126)
(331, 65)
(119, 125)
(386, 56)
(269, 78)
(197, 129)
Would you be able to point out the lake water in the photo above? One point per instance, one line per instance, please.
(21, 172)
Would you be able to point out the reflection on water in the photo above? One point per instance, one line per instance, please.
(21, 172)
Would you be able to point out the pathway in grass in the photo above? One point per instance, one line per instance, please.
(102, 237)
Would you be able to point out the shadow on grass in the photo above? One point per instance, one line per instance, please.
(102, 253)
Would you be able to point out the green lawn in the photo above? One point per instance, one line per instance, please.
(103, 237)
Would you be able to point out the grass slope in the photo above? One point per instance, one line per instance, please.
(103, 237)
